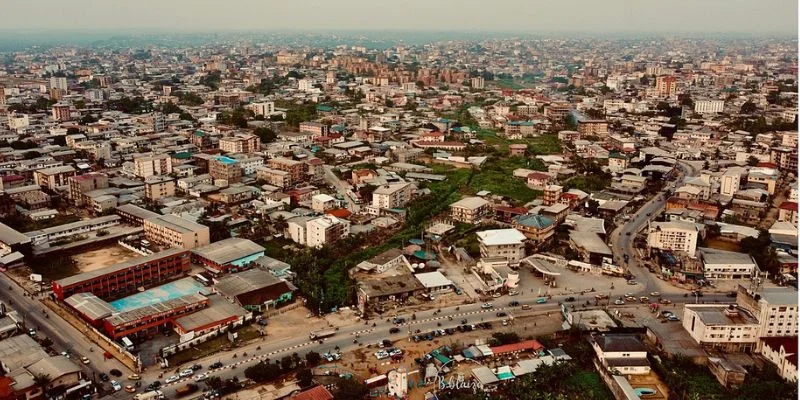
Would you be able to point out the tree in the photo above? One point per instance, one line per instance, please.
(218, 230)
(79, 104)
(305, 377)
(349, 389)
(592, 205)
(645, 81)
(41, 380)
(266, 135)
(501, 338)
(213, 382)
(752, 161)
(313, 358)
(287, 363)
(262, 372)
(88, 119)
(170, 108)
(748, 108)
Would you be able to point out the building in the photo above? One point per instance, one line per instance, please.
(434, 282)
(134, 215)
(158, 186)
(730, 182)
(220, 313)
(274, 177)
(775, 308)
(590, 246)
(59, 82)
(676, 236)
(552, 194)
(255, 289)
(502, 243)
(709, 106)
(295, 169)
(314, 128)
(722, 264)
(240, 143)
(477, 82)
(228, 255)
(152, 319)
(536, 228)
(720, 327)
(12, 241)
(174, 231)
(265, 108)
(61, 112)
(621, 354)
(226, 169)
(392, 196)
(80, 184)
(154, 164)
(325, 230)
(250, 165)
(126, 277)
(44, 236)
(666, 86)
(323, 202)
(782, 353)
(53, 177)
(470, 210)
(385, 261)
(593, 127)
(377, 294)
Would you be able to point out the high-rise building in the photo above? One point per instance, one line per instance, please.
(666, 85)
(61, 112)
(59, 82)
(477, 82)
(155, 164)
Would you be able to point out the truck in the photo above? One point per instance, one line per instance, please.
(151, 395)
(321, 334)
(127, 343)
(186, 390)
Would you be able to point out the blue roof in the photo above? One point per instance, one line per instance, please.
(225, 160)
(520, 123)
(535, 221)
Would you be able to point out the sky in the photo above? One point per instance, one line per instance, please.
(536, 16)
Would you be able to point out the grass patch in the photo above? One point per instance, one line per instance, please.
(490, 137)
(590, 384)
(212, 346)
(497, 177)
(508, 83)
(543, 144)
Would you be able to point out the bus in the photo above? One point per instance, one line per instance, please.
(376, 381)
(127, 343)
(202, 279)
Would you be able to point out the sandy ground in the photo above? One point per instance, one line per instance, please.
(103, 257)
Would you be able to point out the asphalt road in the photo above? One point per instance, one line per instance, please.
(342, 188)
(64, 336)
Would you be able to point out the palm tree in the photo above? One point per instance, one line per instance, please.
(41, 380)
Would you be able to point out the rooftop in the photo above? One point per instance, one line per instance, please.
(118, 267)
(228, 250)
(10, 236)
(717, 256)
(91, 306)
(218, 310)
(177, 223)
(619, 343)
(390, 286)
(716, 315)
(496, 237)
(433, 279)
(470, 203)
(155, 309)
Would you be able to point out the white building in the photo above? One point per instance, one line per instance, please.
(709, 106)
(782, 352)
(324, 230)
(774, 307)
(622, 353)
(156, 164)
(265, 108)
(721, 327)
(392, 196)
(305, 85)
(323, 202)
(504, 243)
(58, 82)
(675, 235)
(730, 182)
(722, 264)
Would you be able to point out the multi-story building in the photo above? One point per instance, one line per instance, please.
(80, 184)
(44, 236)
(314, 128)
(61, 112)
(679, 236)
(666, 86)
(296, 169)
(621, 353)
(552, 194)
(274, 177)
(225, 168)
(781, 352)
(775, 308)
(156, 187)
(477, 82)
(502, 243)
(709, 106)
(593, 127)
(265, 108)
(249, 165)
(536, 228)
(784, 157)
(228, 255)
(134, 215)
(53, 177)
(174, 231)
(470, 210)
(154, 164)
(392, 196)
(150, 319)
(730, 182)
(59, 82)
(324, 230)
(723, 264)
(240, 143)
(126, 277)
(721, 327)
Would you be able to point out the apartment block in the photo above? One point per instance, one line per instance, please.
(240, 143)
(296, 169)
(677, 236)
(174, 231)
(225, 168)
(53, 177)
(325, 230)
(156, 187)
(721, 327)
(80, 184)
(392, 196)
(470, 210)
(502, 243)
(154, 164)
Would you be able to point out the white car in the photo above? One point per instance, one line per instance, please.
(380, 355)
(173, 378)
(486, 305)
(619, 302)
(186, 372)
(395, 352)
(200, 377)
(116, 386)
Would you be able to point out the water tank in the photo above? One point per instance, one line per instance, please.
(414, 265)
(421, 266)
(513, 280)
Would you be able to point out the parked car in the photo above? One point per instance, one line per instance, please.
(173, 378)
(85, 360)
(486, 305)
(200, 377)
(130, 389)
(116, 386)
(655, 294)
(501, 314)
(215, 365)
(394, 330)
(186, 372)
(673, 317)
(619, 302)
(103, 377)
(513, 304)
(569, 299)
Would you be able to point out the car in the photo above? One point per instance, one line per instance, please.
(134, 377)
(463, 321)
(666, 313)
(541, 300)
(655, 294)
(384, 343)
(395, 352)
(505, 322)
(569, 299)
(215, 365)
(486, 306)
(601, 296)
(458, 290)
(673, 317)
(103, 377)
(173, 378)
(31, 332)
(130, 389)
(644, 299)
(619, 302)
(450, 331)
(501, 314)
(665, 301)
(513, 304)
(394, 330)
(186, 372)
(399, 320)
(632, 282)
(115, 372)
(65, 354)
(200, 377)
(496, 295)
(116, 386)
(512, 293)
(85, 360)
(197, 367)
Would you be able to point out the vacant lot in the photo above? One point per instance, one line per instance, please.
(98, 258)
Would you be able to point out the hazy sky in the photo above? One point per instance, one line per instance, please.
(672, 16)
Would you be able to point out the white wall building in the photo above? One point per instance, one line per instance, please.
(505, 243)
(721, 327)
(722, 264)
(709, 106)
(675, 235)
(622, 353)
(392, 196)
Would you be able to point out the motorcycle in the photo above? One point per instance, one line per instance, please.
(235, 355)
(244, 354)
(373, 324)
(450, 318)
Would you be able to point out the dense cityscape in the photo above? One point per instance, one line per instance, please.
(431, 216)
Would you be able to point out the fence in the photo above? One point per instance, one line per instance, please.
(142, 252)
(175, 348)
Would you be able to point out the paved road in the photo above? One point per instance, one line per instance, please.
(63, 335)
(342, 187)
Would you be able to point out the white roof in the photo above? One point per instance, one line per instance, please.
(433, 279)
(470, 203)
(323, 198)
(501, 236)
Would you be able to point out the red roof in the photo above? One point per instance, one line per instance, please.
(572, 196)
(315, 393)
(539, 175)
(516, 347)
(767, 165)
(339, 213)
(789, 344)
(517, 210)
(789, 205)
(6, 391)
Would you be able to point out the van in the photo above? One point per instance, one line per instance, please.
(526, 307)
(127, 343)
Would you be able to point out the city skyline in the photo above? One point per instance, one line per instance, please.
(678, 17)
